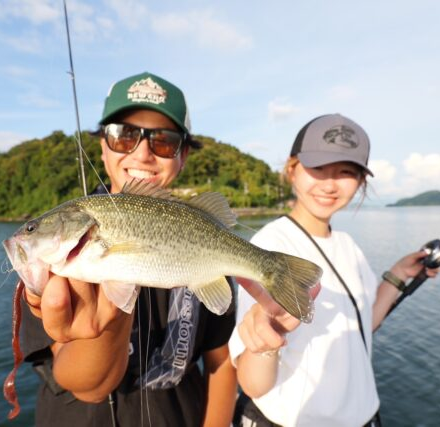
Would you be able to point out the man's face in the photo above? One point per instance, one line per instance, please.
(142, 163)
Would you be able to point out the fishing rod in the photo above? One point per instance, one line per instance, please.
(432, 260)
(79, 146)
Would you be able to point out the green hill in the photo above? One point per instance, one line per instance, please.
(429, 198)
(39, 174)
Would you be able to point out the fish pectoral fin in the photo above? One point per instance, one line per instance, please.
(125, 248)
(216, 296)
(122, 295)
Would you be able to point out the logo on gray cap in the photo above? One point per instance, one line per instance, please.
(341, 135)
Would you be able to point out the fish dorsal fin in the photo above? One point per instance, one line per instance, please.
(216, 205)
(142, 188)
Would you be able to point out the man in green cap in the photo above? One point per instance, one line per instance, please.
(104, 367)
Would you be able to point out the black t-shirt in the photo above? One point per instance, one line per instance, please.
(181, 406)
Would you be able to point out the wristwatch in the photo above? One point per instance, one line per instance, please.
(394, 280)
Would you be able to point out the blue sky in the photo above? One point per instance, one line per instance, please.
(253, 72)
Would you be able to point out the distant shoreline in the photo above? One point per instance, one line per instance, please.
(263, 211)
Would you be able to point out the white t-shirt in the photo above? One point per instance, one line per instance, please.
(325, 377)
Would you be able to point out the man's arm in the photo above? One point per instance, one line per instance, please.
(221, 387)
(91, 337)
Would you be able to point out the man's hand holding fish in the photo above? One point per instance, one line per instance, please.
(87, 327)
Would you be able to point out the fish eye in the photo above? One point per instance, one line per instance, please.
(31, 227)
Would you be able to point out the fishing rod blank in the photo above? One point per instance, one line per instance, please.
(82, 175)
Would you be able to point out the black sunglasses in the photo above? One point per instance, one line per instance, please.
(125, 138)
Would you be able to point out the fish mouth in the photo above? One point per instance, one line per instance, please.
(14, 249)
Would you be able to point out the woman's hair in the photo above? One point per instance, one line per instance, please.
(293, 161)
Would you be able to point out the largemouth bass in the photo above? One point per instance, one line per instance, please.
(145, 236)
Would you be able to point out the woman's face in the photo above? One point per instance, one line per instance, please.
(324, 190)
(142, 163)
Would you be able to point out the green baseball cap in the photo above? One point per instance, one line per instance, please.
(150, 92)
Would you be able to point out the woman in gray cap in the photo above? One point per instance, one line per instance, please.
(318, 374)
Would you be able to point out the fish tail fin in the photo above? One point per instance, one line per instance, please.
(289, 283)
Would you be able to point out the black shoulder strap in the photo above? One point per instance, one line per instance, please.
(350, 295)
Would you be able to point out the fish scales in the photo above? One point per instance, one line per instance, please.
(183, 235)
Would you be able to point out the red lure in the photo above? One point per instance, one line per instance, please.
(9, 385)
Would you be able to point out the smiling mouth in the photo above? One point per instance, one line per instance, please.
(325, 199)
(140, 174)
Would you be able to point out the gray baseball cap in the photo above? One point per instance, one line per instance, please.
(329, 139)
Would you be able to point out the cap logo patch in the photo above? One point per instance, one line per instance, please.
(147, 90)
(341, 135)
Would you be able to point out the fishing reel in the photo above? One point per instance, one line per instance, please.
(432, 248)
(432, 260)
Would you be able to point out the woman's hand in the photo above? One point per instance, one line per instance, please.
(411, 265)
(406, 268)
(263, 331)
(265, 325)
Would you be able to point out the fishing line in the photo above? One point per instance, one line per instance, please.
(81, 172)
(4, 264)
(246, 226)
(138, 306)
(140, 358)
(101, 181)
(7, 271)
(146, 361)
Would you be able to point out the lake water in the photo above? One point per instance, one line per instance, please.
(406, 354)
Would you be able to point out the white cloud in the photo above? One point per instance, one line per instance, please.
(279, 109)
(132, 13)
(35, 11)
(420, 173)
(33, 98)
(9, 139)
(384, 181)
(16, 71)
(203, 28)
(28, 43)
(423, 167)
(342, 93)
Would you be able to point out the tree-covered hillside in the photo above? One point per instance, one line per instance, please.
(39, 174)
(428, 198)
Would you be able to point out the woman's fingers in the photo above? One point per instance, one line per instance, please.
(257, 331)
(260, 295)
